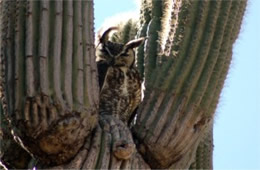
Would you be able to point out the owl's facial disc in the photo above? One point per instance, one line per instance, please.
(125, 59)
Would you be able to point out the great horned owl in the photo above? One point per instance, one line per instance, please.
(119, 80)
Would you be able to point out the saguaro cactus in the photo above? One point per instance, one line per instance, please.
(49, 90)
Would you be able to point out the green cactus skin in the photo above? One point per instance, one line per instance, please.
(145, 18)
(125, 32)
(128, 31)
(203, 158)
(221, 70)
(181, 98)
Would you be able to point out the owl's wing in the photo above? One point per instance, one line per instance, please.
(102, 71)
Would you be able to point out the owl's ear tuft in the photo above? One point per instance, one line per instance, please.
(105, 36)
(135, 43)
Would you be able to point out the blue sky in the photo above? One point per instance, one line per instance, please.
(237, 122)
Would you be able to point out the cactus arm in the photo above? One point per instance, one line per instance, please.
(145, 18)
(220, 69)
(126, 32)
(222, 66)
(161, 80)
(203, 157)
(207, 75)
(204, 153)
(174, 113)
(45, 103)
(195, 98)
(152, 45)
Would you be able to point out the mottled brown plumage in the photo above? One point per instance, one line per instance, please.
(119, 79)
